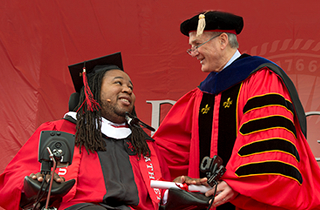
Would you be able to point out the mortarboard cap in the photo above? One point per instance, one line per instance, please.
(213, 21)
(108, 62)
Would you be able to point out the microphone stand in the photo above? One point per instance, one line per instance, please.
(52, 158)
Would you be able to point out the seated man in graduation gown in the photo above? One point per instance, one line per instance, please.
(113, 161)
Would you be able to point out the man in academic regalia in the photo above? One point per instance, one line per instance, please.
(247, 112)
(113, 161)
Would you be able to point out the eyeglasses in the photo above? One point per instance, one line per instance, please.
(194, 49)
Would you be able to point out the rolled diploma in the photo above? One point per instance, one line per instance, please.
(167, 185)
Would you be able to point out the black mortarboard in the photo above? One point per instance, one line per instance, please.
(213, 20)
(108, 62)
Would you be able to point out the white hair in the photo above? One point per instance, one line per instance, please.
(231, 37)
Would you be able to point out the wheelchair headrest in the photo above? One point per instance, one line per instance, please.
(73, 101)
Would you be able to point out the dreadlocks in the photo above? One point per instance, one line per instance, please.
(138, 139)
(88, 125)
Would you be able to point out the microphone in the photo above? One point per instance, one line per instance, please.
(134, 121)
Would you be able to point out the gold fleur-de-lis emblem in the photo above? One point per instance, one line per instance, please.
(227, 103)
(205, 110)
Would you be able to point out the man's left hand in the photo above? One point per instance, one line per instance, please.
(224, 194)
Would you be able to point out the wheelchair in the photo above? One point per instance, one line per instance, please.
(56, 148)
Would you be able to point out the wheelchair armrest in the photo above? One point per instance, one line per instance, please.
(32, 187)
(180, 199)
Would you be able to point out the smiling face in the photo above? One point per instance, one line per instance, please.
(117, 96)
(212, 55)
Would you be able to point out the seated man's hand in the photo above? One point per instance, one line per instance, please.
(38, 176)
(224, 194)
(188, 180)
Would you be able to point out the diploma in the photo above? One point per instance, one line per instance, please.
(190, 188)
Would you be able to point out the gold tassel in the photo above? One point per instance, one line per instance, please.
(201, 24)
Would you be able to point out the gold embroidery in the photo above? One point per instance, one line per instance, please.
(228, 103)
(205, 110)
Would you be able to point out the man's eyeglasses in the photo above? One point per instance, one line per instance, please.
(194, 49)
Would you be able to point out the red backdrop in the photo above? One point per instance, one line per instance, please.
(39, 39)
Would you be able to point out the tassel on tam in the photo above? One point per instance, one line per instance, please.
(92, 104)
(201, 24)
